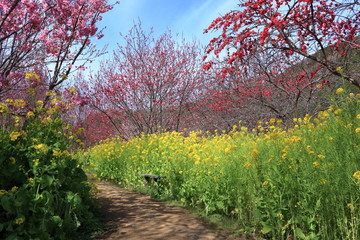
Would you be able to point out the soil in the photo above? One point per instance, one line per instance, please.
(130, 215)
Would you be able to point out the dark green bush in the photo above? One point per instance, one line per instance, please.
(44, 193)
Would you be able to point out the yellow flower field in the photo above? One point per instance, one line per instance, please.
(275, 181)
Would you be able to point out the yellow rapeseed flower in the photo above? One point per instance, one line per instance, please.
(228, 150)
(51, 111)
(357, 130)
(254, 153)
(39, 103)
(338, 111)
(351, 206)
(50, 93)
(12, 160)
(14, 188)
(3, 107)
(247, 164)
(30, 115)
(306, 118)
(339, 90)
(272, 120)
(64, 76)
(323, 114)
(14, 136)
(316, 164)
(321, 156)
(47, 120)
(19, 221)
(41, 147)
(339, 69)
(55, 101)
(17, 119)
(323, 181)
(72, 89)
(57, 152)
(357, 175)
(19, 103)
(295, 139)
(244, 129)
(32, 75)
(2, 192)
(36, 162)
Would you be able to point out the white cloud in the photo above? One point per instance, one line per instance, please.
(196, 20)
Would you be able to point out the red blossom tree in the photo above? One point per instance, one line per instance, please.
(280, 53)
(304, 27)
(265, 86)
(97, 127)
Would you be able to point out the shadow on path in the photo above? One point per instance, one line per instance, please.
(129, 215)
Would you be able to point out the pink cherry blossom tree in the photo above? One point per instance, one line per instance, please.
(149, 83)
(48, 39)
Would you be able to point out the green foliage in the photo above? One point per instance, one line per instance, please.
(43, 192)
(301, 182)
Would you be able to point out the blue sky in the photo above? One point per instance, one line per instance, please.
(187, 17)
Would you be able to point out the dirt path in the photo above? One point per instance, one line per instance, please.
(132, 216)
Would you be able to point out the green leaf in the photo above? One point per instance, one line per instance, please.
(6, 203)
(258, 214)
(57, 220)
(73, 198)
(18, 203)
(312, 236)
(299, 233)
(47, 180)
(266, 228)
(220, 205)
(14, 236)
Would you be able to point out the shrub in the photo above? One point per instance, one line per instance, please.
(43, 191)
